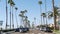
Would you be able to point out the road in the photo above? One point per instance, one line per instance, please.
(32, 32)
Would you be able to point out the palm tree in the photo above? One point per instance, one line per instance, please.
(16, 16)
(40, 2)
(34, 20)
(13, 14)
(6, 15)
(29, 23)
(10, 1)
(21, 18)
(22, 15)
(11, 4)
(45, 10)
(54, 14)
(26, 23)
(43, 15)
(33, 25)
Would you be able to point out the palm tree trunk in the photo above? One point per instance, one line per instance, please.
(54, 15)
(6, 15)
(16, 18)
(46, 21)
(43, 20)
(12, 18)
(45, 10)
(40, 15)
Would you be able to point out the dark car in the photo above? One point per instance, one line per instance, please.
(21, 29)
(48, 29)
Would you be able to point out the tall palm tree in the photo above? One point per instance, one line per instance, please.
(13, 15)
(44, 16)
(29, 23)
(26, 23)
(22, 15)
(40, 2)
(54, 14)
(10, 2)
(16, 16)
(34, 20)
(11, 5)
(33, 26)
(6, 15)
(46, 11)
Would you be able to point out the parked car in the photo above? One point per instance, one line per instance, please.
(0, 32)
(46, 29)
(21, 29)
(42, 28)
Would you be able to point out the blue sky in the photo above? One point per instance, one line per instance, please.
(31, 6)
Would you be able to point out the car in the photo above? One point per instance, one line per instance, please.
(42, 28)
(46, 29)
(0, 32)
(21, 29)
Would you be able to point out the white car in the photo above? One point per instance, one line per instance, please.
(43, 28)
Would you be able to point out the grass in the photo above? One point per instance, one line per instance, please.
(56, 31)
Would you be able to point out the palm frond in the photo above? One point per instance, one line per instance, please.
(9, 1)
(16, 8)
(43, 14)
(56, 12)
(40, 2)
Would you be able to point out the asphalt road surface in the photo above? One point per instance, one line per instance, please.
(31, 32)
